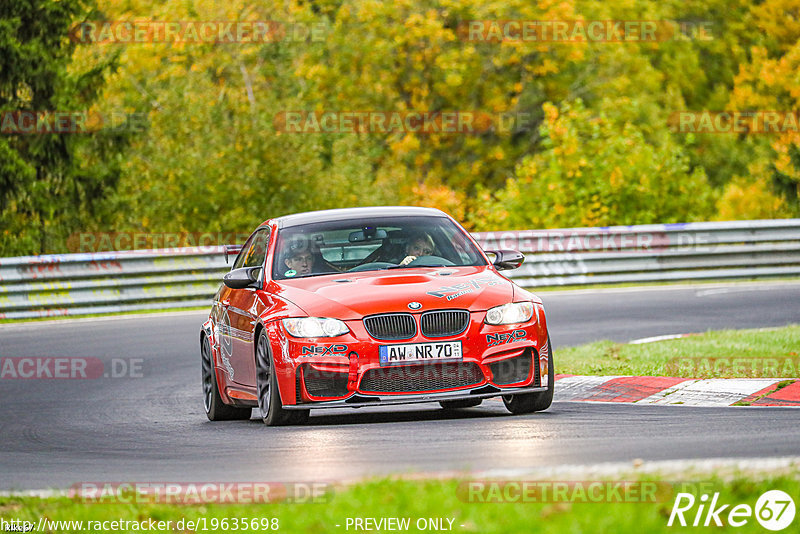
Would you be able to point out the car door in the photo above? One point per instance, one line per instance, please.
(242, 310)
(221, 313)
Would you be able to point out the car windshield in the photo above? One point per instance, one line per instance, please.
(371, 244)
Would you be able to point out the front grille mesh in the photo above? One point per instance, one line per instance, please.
(324, 383)
(391, 326)
(443, 323)
(411, 378)
(513, 370)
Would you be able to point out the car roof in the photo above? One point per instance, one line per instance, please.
(345, 214)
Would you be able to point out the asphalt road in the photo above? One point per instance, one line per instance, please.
(576, 317)
(55, 433)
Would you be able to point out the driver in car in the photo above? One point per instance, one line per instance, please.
(419, 245)
(299, 260)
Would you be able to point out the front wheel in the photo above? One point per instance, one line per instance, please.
(216, 410)
(534, 402)
(269, 398)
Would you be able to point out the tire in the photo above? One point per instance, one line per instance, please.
(216, 409)
(459, 404)
(534, 402)
(270, 407)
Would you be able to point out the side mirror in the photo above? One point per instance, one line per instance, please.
(242, 278)
(507, 259)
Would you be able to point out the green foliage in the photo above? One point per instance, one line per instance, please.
(598, 171)
(47, 188)
(590, 141)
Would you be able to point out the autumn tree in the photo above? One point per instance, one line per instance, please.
(770, 82)
(46, 189)
(597, 170)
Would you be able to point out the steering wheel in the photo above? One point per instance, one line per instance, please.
(371, 266)
(429, 261)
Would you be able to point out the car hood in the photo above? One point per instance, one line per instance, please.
(353, 295)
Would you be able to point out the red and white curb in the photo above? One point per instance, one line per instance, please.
(678, 391)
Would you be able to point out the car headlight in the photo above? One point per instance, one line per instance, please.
(315, 327)
(515, 312)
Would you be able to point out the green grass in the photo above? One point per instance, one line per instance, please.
(768, 353)
(431, 499)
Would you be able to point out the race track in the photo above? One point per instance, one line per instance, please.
(55, 433)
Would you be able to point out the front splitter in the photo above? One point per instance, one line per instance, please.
(360, 400)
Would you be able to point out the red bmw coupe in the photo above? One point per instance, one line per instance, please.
(367, 307)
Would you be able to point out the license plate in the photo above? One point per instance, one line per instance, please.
(419, 352)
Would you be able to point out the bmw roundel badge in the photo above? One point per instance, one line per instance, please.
(414, 305)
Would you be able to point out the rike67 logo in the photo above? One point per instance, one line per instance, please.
(774, 510)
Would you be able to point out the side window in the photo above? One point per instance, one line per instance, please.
(254, 251)
(258, 251)
(463, 249)
(243, 253)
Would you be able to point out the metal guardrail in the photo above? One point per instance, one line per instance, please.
(76, 284)
(653, 253)
(109, 282)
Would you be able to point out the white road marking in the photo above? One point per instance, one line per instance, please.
(724, 468)
(709, 392)
(657, 338)
(726, 290)
(576, 387)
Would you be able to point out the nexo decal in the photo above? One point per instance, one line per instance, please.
(323, 350)
(452, 292)
(504, 337)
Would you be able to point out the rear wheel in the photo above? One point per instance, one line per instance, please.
(461, 403)
(216, 410)
(534, 402)
(269, 398)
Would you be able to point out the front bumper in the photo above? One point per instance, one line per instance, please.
(360, 400)
(491, 366)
